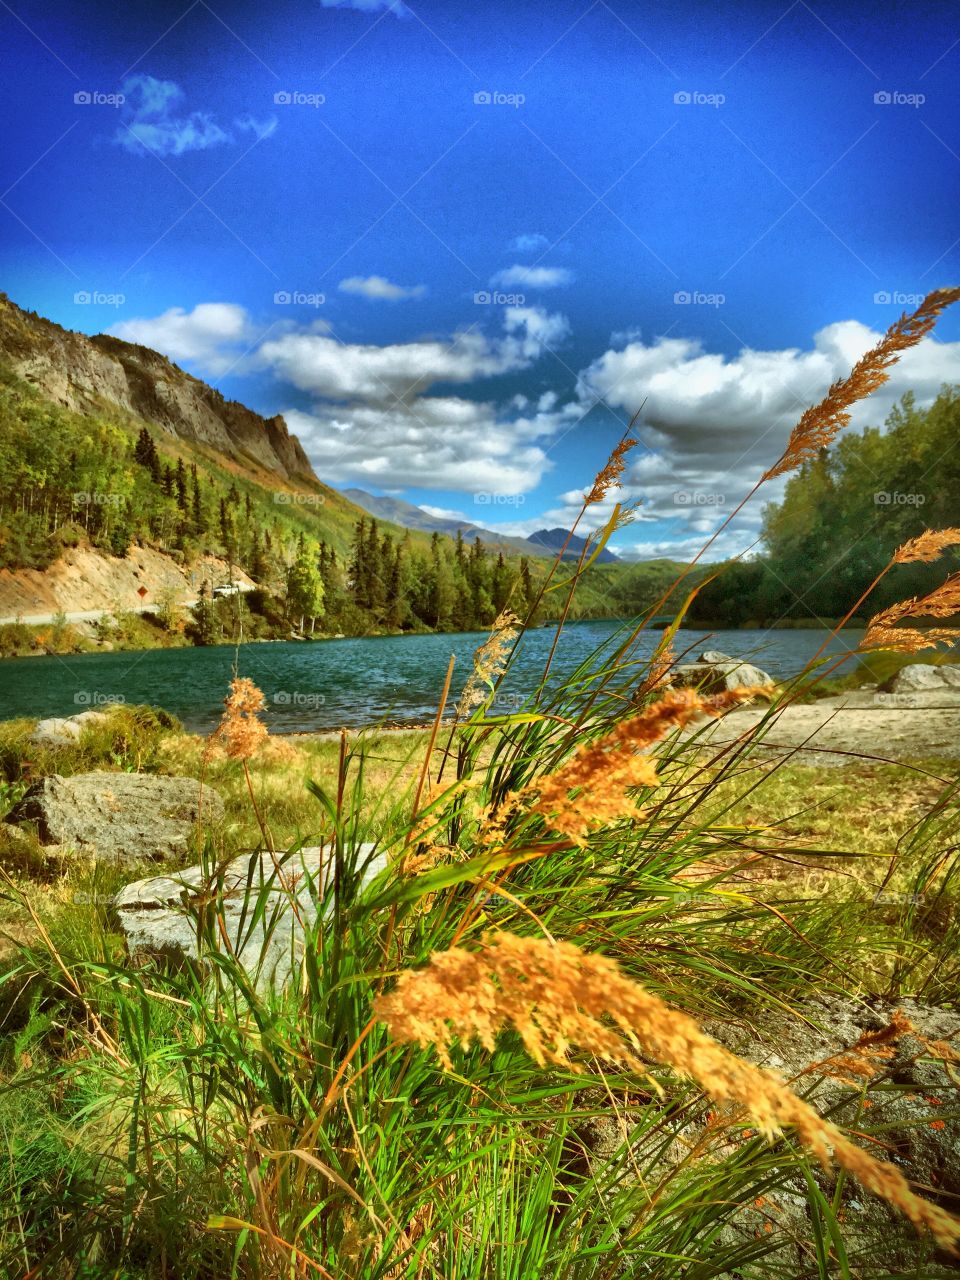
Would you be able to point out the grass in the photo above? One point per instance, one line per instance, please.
(178, 1122)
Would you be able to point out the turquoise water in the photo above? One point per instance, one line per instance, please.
(330, 683)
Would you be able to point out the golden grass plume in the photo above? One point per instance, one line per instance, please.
(609, 476)
(610, 765)
(884, 630)
(556, 997)
(822, 422)
(489, 661)
(927, 546)
(241, 731)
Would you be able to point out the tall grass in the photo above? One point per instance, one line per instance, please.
(183, 1122)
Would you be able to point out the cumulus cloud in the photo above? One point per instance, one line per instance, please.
(529, 242)
(154, 122)
(532, 277)
(379, 288)
(443, 442)
(711, 424)
(340, 371)
(208, 335)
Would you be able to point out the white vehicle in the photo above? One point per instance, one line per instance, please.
(231, 589)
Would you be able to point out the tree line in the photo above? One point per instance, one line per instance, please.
(841, 518)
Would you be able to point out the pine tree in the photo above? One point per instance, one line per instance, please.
(181, 483)
(501, 582)
(199, 519)
(204, 618)
(358, 564)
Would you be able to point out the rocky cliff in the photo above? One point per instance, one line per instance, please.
(83, 373)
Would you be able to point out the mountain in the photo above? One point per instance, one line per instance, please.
(553, 539)
(83, 374)
(545, 543)
(412, 517)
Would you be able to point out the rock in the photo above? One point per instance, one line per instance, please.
(65, 732)
(919, 677)
(714, 655)
(717, 677)
(911, 1118)
(125, 816)
(157, 921)
(904, 1113)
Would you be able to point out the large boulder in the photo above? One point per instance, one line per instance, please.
(921, 677)
(159, 916)
(130, 817)
(713, 672)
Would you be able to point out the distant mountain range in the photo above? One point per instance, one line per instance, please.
(545, 542)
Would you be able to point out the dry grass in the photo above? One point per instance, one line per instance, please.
(557, 997)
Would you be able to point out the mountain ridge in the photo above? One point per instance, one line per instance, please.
(79, 372)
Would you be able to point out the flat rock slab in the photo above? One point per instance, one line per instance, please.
(841, 730)
(159, 917)
(130, 817)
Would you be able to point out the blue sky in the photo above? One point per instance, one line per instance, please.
(458, 245)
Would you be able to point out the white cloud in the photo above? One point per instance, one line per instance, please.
(711, 424)
(341, 371)
(444, 513)
(532, 277)
(442, 442)
(150, 122)
(203, 336)
(529, 242)
(380, 288)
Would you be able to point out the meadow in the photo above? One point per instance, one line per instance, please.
(491, 1061)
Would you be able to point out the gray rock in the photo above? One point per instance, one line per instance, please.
(718, 677)
(919, 677)
(714, 655)
(126, 816)
(65, 731)
(159, 916)
(912, 1119)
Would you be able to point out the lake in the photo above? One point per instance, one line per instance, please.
(326, 684)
